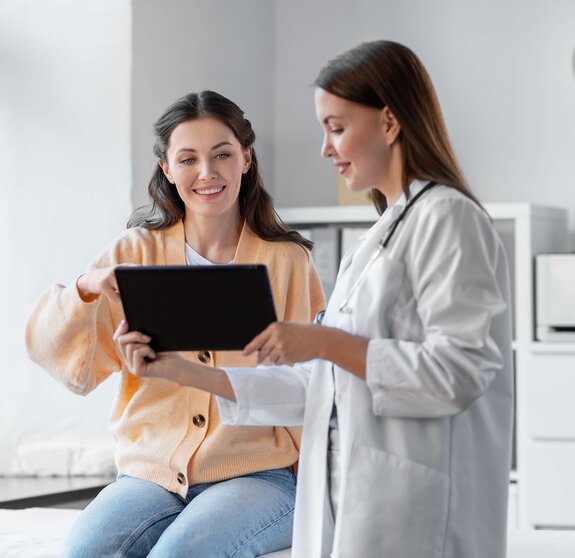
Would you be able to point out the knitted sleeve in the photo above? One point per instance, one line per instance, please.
(72, 339)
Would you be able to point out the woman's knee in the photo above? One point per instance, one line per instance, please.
(243, 517)
(125, 519)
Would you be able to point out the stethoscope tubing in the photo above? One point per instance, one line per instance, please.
(344, 307)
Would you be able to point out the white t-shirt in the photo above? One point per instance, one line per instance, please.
(193, 258)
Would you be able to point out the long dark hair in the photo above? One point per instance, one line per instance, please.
(256, 205)
(383, 73)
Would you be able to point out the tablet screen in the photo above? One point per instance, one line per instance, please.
(187, 308)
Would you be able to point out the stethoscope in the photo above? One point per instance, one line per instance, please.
(382, 245)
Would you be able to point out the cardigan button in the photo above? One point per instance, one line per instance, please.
(199, 420)
(181, 478)
(205, 357)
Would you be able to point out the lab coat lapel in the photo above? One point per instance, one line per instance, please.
(312, 486)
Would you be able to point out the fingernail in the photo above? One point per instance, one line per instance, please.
(147, 338)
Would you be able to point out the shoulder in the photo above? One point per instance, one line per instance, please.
(292, 250)
(284, 251)
(444, 206)
(135, 245)
(291, 255)
(448, 198)
(135, 238)
(446, 221)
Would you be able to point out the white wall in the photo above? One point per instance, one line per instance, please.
(504, 72)
(182, 46)
(65, 187)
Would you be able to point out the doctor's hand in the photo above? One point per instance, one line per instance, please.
(287, 343)
(141, 360)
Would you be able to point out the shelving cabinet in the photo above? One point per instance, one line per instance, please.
(542, 494)
(548, 441)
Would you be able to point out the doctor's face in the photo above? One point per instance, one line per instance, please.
(355, 139)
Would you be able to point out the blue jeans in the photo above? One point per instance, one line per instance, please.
(240, 518)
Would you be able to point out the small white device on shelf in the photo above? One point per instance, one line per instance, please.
(555, 297)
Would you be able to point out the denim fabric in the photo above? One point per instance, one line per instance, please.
(240, 518)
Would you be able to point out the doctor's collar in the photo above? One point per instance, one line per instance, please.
(415, 186)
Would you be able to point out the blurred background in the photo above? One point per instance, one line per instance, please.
(81, 82)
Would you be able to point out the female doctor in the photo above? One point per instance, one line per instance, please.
(405, 393)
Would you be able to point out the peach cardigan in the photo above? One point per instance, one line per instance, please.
(169, 434)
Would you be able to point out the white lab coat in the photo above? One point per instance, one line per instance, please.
(426, 439)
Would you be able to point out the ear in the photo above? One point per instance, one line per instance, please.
(166, 171)
(390, 124)
(247, 159)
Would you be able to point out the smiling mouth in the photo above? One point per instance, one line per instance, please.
(210, 191)
(342, 167)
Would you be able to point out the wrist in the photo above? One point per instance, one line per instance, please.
(82, 290)
(184, 372)
(324, 335)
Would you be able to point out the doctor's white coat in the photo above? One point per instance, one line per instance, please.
(426, 439)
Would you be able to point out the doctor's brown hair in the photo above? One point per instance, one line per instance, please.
(256, 205)
(384, 73)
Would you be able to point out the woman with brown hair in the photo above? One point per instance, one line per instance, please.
(189, 485)
(406, 396)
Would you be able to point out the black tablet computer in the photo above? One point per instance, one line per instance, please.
(186, 308)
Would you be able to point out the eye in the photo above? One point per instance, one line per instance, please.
(187, 161)
(336, 131)
(222, 156)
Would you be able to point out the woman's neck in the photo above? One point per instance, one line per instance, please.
(392, 184)
(215, 238)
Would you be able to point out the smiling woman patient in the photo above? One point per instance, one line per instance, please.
(188, 485)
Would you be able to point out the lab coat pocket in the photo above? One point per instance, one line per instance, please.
(376, 295)
(391, 506)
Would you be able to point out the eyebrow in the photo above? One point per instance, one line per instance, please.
(222, 143)
(329, 117)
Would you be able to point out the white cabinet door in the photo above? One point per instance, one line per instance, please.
(550, 484)
(549, 385)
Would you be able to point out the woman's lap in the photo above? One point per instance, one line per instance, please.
(242, 517)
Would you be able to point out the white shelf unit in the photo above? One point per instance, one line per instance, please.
(548, 440)
(526, 230)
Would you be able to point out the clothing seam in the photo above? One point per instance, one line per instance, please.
(271, 524)
(137, 533)
(449, 488)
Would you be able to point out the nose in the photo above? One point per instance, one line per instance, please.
(206, 169)
(326, 147)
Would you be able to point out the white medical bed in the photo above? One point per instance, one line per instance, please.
(40, 533)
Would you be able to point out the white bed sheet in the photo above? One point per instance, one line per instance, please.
(34, 532)
(40, 533)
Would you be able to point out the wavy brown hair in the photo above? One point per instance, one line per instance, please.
(384, 73)
(256, 205)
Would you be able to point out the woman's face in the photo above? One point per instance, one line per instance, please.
(356, 137)
(205, 162)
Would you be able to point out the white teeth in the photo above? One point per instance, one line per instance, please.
(209, 191)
